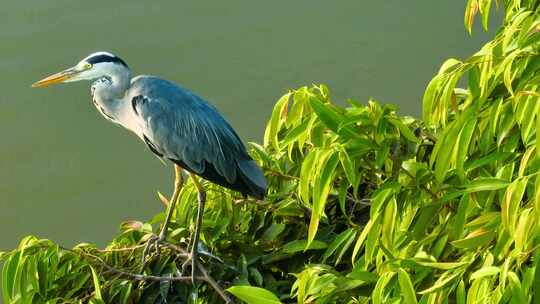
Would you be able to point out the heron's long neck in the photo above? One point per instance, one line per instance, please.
(108, 91)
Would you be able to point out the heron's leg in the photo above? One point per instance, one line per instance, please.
(178, 182)
(198, 224)
(154, 241)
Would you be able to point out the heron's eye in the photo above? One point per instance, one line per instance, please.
(87, 66)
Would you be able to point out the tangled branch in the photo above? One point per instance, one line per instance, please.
(204, 277)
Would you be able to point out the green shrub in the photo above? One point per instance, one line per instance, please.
(363, 206)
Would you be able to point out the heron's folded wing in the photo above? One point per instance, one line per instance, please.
(183, 127)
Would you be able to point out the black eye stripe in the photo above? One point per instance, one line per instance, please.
(106, 58)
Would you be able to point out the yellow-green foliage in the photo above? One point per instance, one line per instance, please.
(364, 206)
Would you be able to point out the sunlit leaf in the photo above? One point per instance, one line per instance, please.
(270, 135)
(441, 265)
(484, 272)
(254, 295)
(97, 285)
(306, 176)
(406, 286)
(485, 6)
(470, 11)
(444, 280)
(363, 235)
(474, 239)
(486, 184)
(517, 292)
(511, 201)
(323, 181)
(378, 294)
(331, 118)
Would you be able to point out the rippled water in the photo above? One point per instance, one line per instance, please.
(68, 175)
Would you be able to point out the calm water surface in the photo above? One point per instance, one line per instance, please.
(68, 175)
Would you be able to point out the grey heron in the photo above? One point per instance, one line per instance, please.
(175, 124)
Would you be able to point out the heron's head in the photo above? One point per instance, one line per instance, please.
(96, 65)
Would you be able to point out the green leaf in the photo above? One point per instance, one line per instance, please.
(485, 6)
(425, 217)
(7, 279)
(363, 235)
(492, 159)
(125, 292)
(475, 239)
(441, 265)
(295, 133)
(378, 294)
(428, 101)
(403, 129)
(460, 293)
(323, 184)
(538, 132)
(365, 276)
(255, 274)
(340, 239)
(348, 165)
(444, 280)
(345, 247)
(461, 216)
(444, 151)
(406, 287)
(254, 295)
(270, 135)
(536, 283)
(306, 176)
(486, 271)
(97, 284)
(331, 118)
(388, 224)
(381, 196)
(470, 11)
(327, 115)
(517, 291)
(302, 245)
(296, 113)
(9, 276)
(464, 145)
(485, 184)
(272, 232)
(511, 202)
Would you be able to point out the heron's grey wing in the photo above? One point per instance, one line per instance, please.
(184, 128)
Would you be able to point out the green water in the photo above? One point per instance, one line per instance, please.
(69, 175)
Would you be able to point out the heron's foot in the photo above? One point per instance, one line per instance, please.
(152, 245)
(191, 260)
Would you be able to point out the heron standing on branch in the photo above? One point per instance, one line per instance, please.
(175, 124)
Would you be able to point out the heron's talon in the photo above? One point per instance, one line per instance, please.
(153, 244)
(191, 259)
(185, 264)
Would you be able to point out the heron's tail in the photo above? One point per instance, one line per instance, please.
(253, 178)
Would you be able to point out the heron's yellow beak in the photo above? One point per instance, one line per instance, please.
(55, 78)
